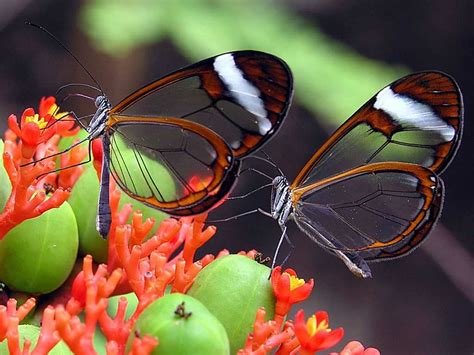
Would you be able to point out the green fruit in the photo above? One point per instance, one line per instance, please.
(32, 332)
(85, 195)
(5, 186)
(38, 254)
(195, 331)
(233, 288)
(83, 200)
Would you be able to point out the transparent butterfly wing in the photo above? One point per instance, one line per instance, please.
(374, 207)
(180, 168)
(242, 96)
(417, 119)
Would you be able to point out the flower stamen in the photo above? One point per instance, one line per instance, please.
(295, 282)
(314, 327)
(41, 122)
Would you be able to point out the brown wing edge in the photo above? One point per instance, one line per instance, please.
(421, 233)
(199, 201)
(204, 69)
(456, 121)
(364, 113)
(276, 107)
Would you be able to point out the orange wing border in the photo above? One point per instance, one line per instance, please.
(225, 168)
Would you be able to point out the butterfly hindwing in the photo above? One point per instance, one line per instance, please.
(372, 210)
(179, 167)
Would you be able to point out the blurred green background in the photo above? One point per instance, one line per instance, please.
(341, 53)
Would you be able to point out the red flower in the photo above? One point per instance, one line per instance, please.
(65, 126)
(289, 289)
(356, 348)
(314, 334)
(32, 130)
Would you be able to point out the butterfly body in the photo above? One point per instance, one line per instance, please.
(96, 127)
(281, 205)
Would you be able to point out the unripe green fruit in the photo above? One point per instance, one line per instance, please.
(233, 288)
(194, 330)
(38, 254)
(32, 332)
(85, 195)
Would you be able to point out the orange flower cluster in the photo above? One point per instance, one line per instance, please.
(29, 161)
(291, 337)
(136, 262)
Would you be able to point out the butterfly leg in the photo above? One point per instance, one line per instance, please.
(63, 119)
(235, 216)
(249, 193)
(89, 158)
(58, 153)
(255, 171)
(78, 119)
(283, 236)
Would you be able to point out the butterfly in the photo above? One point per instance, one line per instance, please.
(372, 192)
(199, 121)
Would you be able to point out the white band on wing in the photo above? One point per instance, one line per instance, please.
(243, 91)
(408, 112)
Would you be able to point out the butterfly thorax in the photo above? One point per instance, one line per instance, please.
(98, 123)
(281, 200)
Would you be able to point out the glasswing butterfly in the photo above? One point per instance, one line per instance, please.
(198, 121)
(372, 191)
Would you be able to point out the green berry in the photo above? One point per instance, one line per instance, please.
(85, 195)
(183, 326)
(233, 288)
(38, 254)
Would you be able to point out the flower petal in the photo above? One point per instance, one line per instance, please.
(331, 338)
(13, 125)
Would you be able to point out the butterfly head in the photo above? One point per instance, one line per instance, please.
(101, 102)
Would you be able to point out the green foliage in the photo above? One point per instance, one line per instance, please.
(331, 79)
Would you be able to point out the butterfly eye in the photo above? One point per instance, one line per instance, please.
(99, 101)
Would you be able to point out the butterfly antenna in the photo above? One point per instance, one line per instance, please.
(272, 162)
(76, 84)
(53, 37)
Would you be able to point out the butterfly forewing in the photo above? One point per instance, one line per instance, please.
(179, 167)
(242, 96)
(417, 119)
(371, 207)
